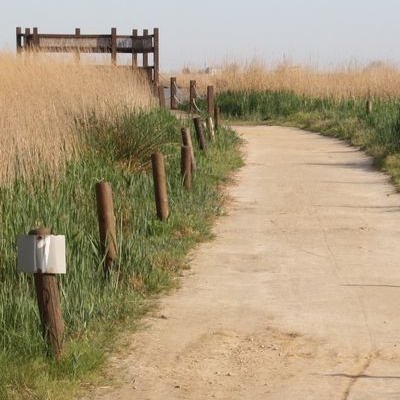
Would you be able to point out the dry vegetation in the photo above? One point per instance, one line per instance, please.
(377, 80)
(40, 97)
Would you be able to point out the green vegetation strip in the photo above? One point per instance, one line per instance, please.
(377, 133)
(150, 252)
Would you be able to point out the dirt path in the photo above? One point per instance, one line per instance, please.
(297, 298)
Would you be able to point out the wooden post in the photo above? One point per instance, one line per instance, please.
(161, 96)
(187, 141)
(210, 99)
(48, 298)
(134, 54)
(210, 128)
(145, 55)
(199, 133)
(35, 38)
(28, 40)
(77, 51)
(160, 186)
(174, 103)
(19, 39)
(192, 96)
(114, 46)
(156, 60)
(216, 118)
(107, 225)
(186, 166)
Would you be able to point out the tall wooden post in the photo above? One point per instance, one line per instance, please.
(107, 224)
(210, 99)
(114, 46)
(48, 298)
(186, 166)
(160, 186)
(187, 141)
(145, 55)
(156, 59)
(161, 96)
(174, 103)
(134, 54)
(19, 39)
(77, 51)
(199, 133)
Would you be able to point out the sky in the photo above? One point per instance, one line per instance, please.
(325, 34)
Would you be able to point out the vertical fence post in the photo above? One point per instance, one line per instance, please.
(192, 96)
(187, 141)
(199, 133)
(145, 55)
(114, 46)
(174, 103)
(48, 298)
(210, 99)
(134, 54)
(77, 51)
(160, 186)
(28, 40)
(368, 106)
(107, 225)
(19, 39)
(216, 118)
(186, 166)
(156, 62)
(35, 39)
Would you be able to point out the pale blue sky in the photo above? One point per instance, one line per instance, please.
(322, 33)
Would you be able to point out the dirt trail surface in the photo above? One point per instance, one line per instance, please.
(296, 298)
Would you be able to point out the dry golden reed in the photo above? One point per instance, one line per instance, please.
(376, 80)
(40, 97)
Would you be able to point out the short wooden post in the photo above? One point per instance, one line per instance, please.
(107, 225)
(48, 298)
(161, 96)
(199, 133)
(186, 166)
(216, 118)
(210, 128)
(19, 39)
(160, 186)
(187, 141)
(156, 57)
(35, 40)
(210, 99)
(192, 96)
(174, 92)
(114, 46)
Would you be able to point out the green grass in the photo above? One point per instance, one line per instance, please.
(150, 252)
(378, 133)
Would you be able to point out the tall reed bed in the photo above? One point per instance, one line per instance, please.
(376, 80)
(40, 98)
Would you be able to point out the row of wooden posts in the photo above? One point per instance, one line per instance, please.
(46, 284)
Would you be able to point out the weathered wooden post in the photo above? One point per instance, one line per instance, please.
(187, 141)
(216, 118)
(161, 96)
(134, 53)
(160, 186)
(114, 46)
(199, 133)
(210, 99)
(19, 39)
(174, 103)
(192, 96)
(76, 52)
(145, 55)
(186, 166)
(107, 225)
(44, 255)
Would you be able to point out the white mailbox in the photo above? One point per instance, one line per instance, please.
(41, 254)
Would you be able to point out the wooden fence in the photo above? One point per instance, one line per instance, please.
(134, 44)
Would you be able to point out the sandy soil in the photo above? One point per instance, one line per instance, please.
(296, 298)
